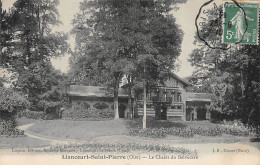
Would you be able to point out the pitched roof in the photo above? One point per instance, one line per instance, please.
(93, 91)
(198, 97)
(183, 81)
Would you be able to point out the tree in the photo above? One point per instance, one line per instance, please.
(232, 75)
(11, 102)
(117, 38)
(31, 46)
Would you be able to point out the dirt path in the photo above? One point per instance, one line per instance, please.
(53, 141)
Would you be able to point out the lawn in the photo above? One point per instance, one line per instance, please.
(183, 131)
(79, 130)
(152, 123)
(25, 121)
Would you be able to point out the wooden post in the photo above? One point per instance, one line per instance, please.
(195, 113)
(144, 114)
(184, 111)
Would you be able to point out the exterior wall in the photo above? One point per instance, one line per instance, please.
(172, 109)
(173, 89)
(178, 107)
(175, 109)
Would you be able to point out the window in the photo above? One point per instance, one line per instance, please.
(140, 96)
(175, 96)
(179, 107)
(149, 106)
(179, 97)
(149, 95)
(173, 107)
(140, 105)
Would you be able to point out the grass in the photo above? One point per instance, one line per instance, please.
(25, 121)
(79, 130)
(169, 130)
(152, 123)
(22, 142)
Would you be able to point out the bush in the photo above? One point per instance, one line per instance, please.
(82, 113)
(149, 132)
(50, 116)
(189, 132)
(12, 101)
(121, 148)
(7, 128)
(31, 114)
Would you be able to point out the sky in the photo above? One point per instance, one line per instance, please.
(185, 17)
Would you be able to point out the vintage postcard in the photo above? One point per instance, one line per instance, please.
(129, 82)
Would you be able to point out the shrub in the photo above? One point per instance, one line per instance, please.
(149, 132)
(121, 148)
(81, 113)
(31, 114)
(11, 101)
(50, 116)
(7, 128)
(188, 132)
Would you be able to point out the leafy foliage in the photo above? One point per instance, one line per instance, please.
(80, 112)
(7, 128)
(31, 114)
(121, 148)
(11, 101)
(28, 47)
(232, 76)
(116, 38)
(191, 132)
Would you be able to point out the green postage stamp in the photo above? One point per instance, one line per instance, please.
(241, 23)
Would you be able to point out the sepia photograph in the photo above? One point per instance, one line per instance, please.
(129, 82)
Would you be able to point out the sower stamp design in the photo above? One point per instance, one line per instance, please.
(241, 23)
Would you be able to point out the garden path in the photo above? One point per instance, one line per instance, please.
(53, 141)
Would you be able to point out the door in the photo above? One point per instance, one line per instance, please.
(201, 113)
(189, 114)
(121, 109)
(163, 113)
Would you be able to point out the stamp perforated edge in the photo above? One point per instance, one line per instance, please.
(258, 16)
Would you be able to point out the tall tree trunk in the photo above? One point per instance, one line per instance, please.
(116, 103)
(135, 108)
(144, 114)
(242, 84)
(130, 103)
(116, 97)
(0, 27)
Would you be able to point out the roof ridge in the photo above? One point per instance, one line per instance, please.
(181, 79)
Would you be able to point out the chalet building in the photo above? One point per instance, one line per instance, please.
(168, 101)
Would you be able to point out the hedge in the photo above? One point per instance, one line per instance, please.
(81, 113)
(31, 114)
